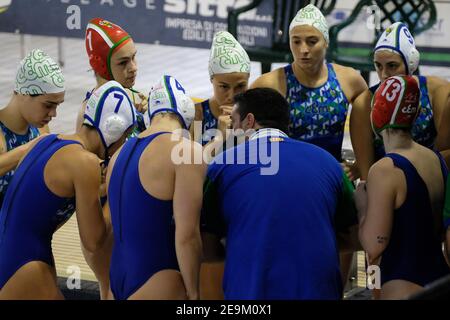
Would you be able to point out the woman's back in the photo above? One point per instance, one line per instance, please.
(414, 252)
(429, 167)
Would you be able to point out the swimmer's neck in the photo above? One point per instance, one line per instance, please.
(89, 139)
(311, 77)
(163, 123)
(395, 140)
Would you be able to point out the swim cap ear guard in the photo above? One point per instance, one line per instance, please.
(110, 111)
(395, 104)
(398, 39)
(168, 95)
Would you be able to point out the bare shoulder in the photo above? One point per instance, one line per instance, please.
(363, 100)
(190, 144)
(78, 160)
(351, 81)
(382, 169)
(190, 151)
(274, 79)
(349, 74)
(434, 83)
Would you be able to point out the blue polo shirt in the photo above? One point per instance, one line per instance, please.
(279, 206)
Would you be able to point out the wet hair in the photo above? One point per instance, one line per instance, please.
(269, 107)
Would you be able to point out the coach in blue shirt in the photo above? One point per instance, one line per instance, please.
(281, 205)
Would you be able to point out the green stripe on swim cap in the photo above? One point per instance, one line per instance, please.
(166, 87)
(111, 51)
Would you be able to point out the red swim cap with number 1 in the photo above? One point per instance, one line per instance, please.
(395, 103)
(102, 39)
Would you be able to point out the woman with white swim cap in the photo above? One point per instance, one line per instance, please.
(157, 243)
(229, 72)
(318, 92)
(112, 55)
(59, 175)
(38, 91)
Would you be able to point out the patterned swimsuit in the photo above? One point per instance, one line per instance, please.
(318, 115)
(13, 140)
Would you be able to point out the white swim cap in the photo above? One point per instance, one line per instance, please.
(311, 16)
(397, 38)
(227, 55)
(39, 74)
(110, 111)
(169, 96)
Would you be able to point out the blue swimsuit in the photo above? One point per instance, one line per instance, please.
(414, 252)
(318, 115)
(423, 130)
(144, 229)
(14, 140)
(27, 227)
(208, 122)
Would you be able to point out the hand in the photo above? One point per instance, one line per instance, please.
(351, 170)
(224, 123)
(226, 110)
(140, 102)
(360, 197)
(143, 105)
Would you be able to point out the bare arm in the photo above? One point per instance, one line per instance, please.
(441, 111)
(11, 159)
(187, 203)
(361, 133)
(86, 174)
(375, 202)
(351, 81)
